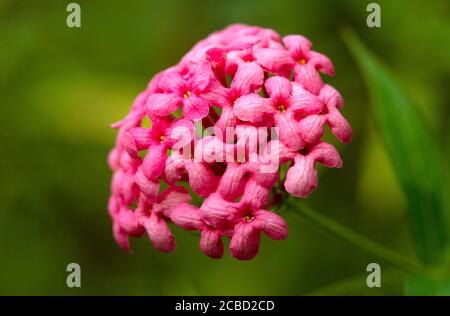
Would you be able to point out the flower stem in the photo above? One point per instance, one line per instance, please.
(322, 222)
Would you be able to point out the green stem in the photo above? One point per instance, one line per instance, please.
(318, 220)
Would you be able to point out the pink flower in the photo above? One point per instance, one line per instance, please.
(247, 78)
(308, 63)
(151, 217)
(271, 59)
(236, 85)
(188, 217)
(301, 178)
(286, 102)
(244, 221)
(186, 90)
(311, 127)
(201, 178)
(157, 140)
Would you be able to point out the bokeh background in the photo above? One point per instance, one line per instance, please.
(61, 88)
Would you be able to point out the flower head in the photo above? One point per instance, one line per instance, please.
(239, 105)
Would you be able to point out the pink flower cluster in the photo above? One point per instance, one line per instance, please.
(242, 78)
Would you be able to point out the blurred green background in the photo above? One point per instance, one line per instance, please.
(61, 88)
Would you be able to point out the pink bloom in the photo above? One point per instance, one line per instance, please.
(286, 102)
(244, 221)
(201, 178)
(243, 161)
(151, 217)
(311, 127)
(308, 63)
(188, 217)
(271, 59)
(157, 140)
(181, 90)
(247, 78)
(301, 178)
(238, 78)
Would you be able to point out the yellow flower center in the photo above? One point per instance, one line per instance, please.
(187, 94)
(162, 138)
(302, 61)
(248, 217)
(282, 108)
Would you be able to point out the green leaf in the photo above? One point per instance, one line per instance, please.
(411, 150)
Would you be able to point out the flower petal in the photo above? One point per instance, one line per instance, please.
(114, 206)
(129, 222)
(195, 108)
(248, 78)
(244, 42)
(174, 170)
(274, 60)
(113, 159)
(147, 187)
(201, 78)
(272, 224)
(303, 102)
(186, 216)
(159, 233)
(121, 236)
(308, 77)
(129, 189)
(217, 94)
(331, 97)
(154, 161)
(172, 81)
(162, 104)
(289, 131)
(322, 63)
(253, 108)
(245, 241)
(326, 154)
(311, 127)
(339, 126)
(201, 179)
(256, 196)
(211, 243)
(301, 178)
(233, 181)
(141, 137)
(218, 212)
(298, 45)
(279, 88)
(216, 57)
(264, 173)
(227, 119)
(170, 198)
(129, 163)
